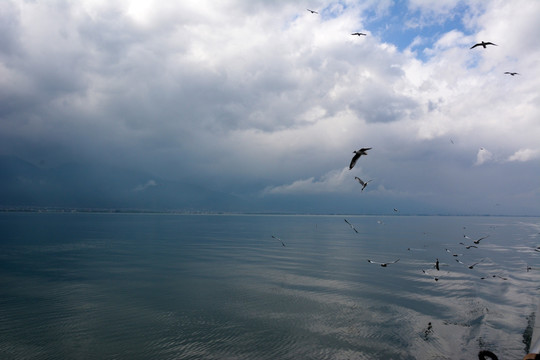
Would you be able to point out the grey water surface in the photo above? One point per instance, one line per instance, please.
(164, 286)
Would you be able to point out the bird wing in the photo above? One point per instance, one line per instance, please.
(365, 149)
(353, 160)
(490, 43)
(475, 45)
(360, 180)
(482, 238)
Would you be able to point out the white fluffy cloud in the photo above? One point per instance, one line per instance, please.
(525, 155)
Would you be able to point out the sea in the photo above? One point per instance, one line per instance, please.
(175, 286)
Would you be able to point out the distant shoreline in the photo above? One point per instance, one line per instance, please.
(209, 212)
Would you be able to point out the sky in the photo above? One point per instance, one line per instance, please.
(265, 102)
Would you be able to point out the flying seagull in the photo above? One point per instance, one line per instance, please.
(358, 34)
(482, 238)
(511, 73)
(483, 44)
(312, 11)
(351, 225)
(363, 183)
(469, 246)
(357, 155)
(473, 265)
(278, 239)
(383, 264)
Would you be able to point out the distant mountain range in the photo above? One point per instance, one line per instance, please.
(23, 184)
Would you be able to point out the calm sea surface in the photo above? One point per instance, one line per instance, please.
(137, 286)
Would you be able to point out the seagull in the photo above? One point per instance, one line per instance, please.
(364, 184)
(383, 264)
(469, 246)
(357, 155)
(483, 44)
(512, 73)
(459, 261)
(396, 210)
(478, 241)
(312, 11)
(351, 225)
(278, 239)
(358, 34)
(473, 265)
(437, 264)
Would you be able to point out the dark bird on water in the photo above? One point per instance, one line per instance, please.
(278, 239)
(383, 264)
(312, 11)
(357, 155)
(351, 225)
(437, 264)
(358, 34)
(363, 183)
(511, 73)
(483, 44)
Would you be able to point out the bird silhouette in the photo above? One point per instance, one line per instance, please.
(312, 11)
(383, 264)
(357, 155)
(278, 239)
(351, 225)
(476, 263)
(483, 44)
(482, 238)
(511, 73)
(358, 34)
(363, 183)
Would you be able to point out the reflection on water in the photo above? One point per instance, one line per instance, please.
(214, 287)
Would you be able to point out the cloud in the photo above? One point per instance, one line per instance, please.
(523, 155)
(483, 156)
(331, 182)
(145, 186)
